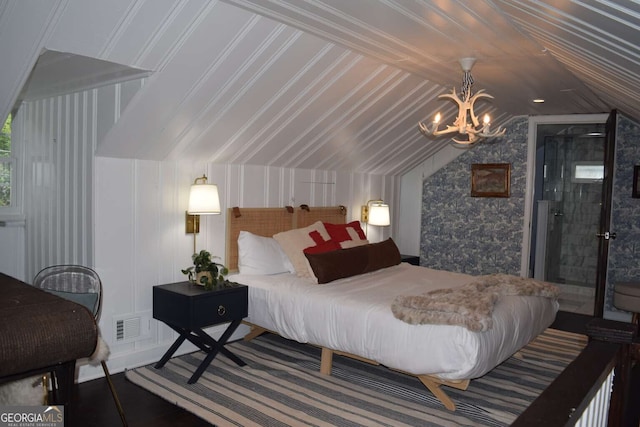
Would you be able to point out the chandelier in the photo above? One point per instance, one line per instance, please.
(466, 124)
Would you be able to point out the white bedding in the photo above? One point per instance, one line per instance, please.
(354, 315)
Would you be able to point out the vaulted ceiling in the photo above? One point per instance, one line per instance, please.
(321, 84)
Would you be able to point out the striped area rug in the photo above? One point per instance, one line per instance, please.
(281, 386)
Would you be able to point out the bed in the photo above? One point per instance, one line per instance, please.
(353, 315)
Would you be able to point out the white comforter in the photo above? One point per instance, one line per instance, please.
(354, 315)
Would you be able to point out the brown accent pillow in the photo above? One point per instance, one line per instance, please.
(333, 265)
(330, 266)
(382, 255)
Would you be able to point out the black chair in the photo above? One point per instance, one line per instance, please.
(81, 285)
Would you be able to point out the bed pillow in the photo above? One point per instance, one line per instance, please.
(334, 265)
(382, 255)
(341, 232)
(330, 266)
(322, 245)
(294, 242)
(341, 236)
(347, 235)
(319, 248)
(261, 255)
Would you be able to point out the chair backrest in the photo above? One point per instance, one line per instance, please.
(73, 282)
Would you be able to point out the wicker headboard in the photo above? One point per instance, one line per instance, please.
(269, 221)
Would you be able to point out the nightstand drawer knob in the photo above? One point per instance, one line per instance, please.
(221, 310)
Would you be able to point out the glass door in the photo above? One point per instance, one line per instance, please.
(568, 212)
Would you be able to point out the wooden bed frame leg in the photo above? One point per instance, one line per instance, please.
(326, 361)
(254, 332)
(434, 386)
(438, 393)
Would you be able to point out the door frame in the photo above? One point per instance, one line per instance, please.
(605, 213)
(532, 135)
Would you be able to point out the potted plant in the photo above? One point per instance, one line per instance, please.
(205, 271)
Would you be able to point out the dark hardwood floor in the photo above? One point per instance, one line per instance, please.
(93, 405)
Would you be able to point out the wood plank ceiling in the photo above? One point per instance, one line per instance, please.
(327, 84)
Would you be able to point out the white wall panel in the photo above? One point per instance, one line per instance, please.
(301, 190)
(411, 202)
(140, 236)
(147, 205)
(58, 146)
(169, 180)
(274, 187)
(106, 104)
(12, 249)
(255, 191)
(127, 91)
(115, 239)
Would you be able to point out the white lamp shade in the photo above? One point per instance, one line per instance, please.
(204, 200)
(379, 214)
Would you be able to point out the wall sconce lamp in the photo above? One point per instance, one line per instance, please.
(203, 200)
(375, 212)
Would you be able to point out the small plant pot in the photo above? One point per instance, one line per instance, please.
(199, 275)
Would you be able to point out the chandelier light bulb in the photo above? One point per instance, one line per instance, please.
(486, 119)
(437, 118)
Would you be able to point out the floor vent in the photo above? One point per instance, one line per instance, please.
(127, 329)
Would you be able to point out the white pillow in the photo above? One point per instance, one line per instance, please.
(261, 255)
(294, 242)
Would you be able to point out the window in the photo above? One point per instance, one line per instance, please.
(6, 166)
(587, 172)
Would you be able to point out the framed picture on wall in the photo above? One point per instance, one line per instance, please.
(490, 179)
(636, 182)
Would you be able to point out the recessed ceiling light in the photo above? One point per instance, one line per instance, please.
(538, 101)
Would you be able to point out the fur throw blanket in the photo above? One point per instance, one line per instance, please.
(470, 305)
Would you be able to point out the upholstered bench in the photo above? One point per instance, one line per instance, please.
(40, 333)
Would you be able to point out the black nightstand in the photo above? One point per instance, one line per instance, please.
(187, 308)
(411, 259)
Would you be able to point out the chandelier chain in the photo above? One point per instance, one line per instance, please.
(467, 81)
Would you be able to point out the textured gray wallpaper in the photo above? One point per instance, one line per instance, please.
(476, 235)
(624, 251)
